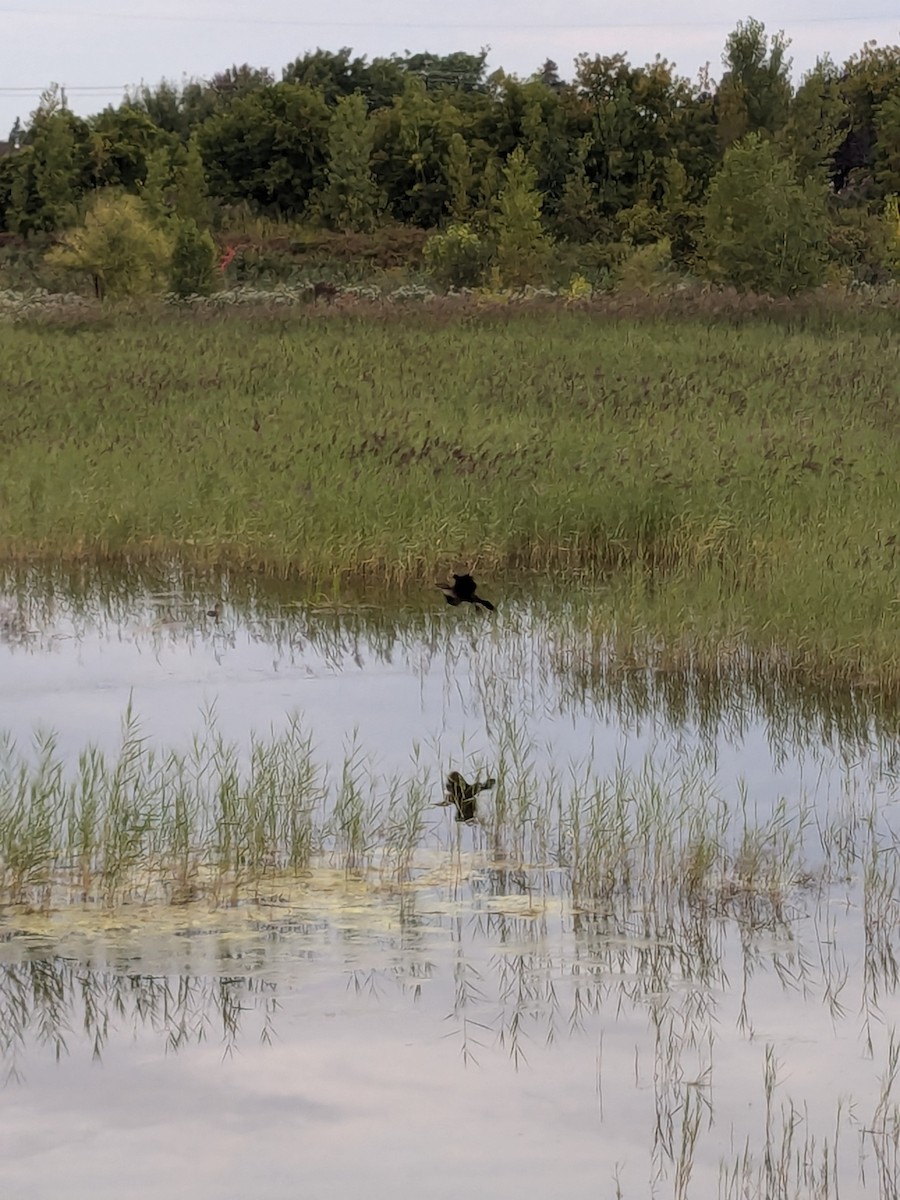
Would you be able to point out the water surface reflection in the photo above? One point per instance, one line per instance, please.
(75, 646)
(337, 1047)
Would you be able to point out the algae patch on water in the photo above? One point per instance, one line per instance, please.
(368, 902)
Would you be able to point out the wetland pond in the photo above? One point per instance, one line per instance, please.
(243, 952)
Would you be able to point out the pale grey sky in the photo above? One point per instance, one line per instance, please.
(98, 47)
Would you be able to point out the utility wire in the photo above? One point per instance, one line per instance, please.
(17, 91)
(469, 26)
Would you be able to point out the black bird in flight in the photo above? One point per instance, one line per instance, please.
(462, 591)
(462, 795)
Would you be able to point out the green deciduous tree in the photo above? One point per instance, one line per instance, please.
(763, 229)
(633, 124)
(238, 80)
(537, 118)
(350, 199)
(155, 191)
(118, 246)
(16, 190)
(578, 217)
(681, 214)
(887, 145)
(641, 225)
(191, 187)
(267, 147)
(549, 138)
(458, 71)
(694, 141)
(755, 91)
(489, 187)
(460, 178)
(868, 80)
(123, 139)
(412, 139)
(815, 123)
(59, 168)
(55, 173)
(864, 244)
(180, 108)
(333, 75)
(523, 247)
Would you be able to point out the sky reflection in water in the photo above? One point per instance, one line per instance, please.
(449, 1048)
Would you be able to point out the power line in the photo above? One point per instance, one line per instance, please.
(471, 26)
(27, 91)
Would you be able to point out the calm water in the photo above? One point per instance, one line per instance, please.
(472, 1029)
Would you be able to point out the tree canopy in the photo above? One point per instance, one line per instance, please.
(619, 153)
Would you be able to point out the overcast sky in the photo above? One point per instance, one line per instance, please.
(97, 47)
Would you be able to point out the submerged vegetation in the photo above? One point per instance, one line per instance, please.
(728, 478)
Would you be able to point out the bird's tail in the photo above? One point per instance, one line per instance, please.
(484, 603)
(484, 785)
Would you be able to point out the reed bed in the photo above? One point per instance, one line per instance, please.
(213, 823)
(725, 479)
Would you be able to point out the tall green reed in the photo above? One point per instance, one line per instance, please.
(217, 819)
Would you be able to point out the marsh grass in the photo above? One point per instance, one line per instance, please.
(794, 1163)
(214, 823)
(141, 825)
(729, 481)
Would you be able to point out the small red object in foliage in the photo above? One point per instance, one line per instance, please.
(227, 257)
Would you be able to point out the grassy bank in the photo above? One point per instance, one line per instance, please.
(732, 477)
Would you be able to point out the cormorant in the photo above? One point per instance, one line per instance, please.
(462, 591)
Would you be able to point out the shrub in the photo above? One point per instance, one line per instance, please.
(118, 246)
(646, 269)
(456, 258)
(579, 288)
(193, 268)
(862, 246)
(641, 225)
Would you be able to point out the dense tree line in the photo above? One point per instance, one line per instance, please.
(618, 155)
